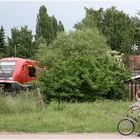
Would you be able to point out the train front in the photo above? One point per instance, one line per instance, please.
(6, 73)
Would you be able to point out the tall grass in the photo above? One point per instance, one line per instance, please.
(22, 113)
(21, 103)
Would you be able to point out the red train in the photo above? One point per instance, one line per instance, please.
(15, 72)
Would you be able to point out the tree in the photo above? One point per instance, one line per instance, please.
(80, 67)
(115, 25)
(2, 42)
(119, 29)
(54, 24)
(60, 27)
(93, 18)
(136, 41)
(20, 44)
(44, 26)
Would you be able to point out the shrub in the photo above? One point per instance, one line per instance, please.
(80, 68)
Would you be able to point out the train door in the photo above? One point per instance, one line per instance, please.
(24, 73)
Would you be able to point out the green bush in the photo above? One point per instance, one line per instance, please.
(81, 68)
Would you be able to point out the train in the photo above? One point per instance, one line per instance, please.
(16, 72)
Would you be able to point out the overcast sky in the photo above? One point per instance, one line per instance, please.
(20, 13)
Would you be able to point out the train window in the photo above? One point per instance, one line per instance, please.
(32, 71)
(7, 65)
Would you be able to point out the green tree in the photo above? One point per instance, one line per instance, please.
(44, 26)
(93, 18)
(2, 42)
(54, 24)
(137, 33)
(115, 25)
(81, 68)
(119, 29)
(20, 44)
(60, 27)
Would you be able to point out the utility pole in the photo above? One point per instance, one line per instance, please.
(16, 49)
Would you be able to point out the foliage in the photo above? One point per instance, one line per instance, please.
(120, 33)
(20, 44)
(47, 26)
(92, 19)
(136, 20)
(80, 68)
(44, 25)
(60, 27)
(2, 42)
(54, 25)
(118, 28)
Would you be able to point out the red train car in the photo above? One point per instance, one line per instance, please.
(15, 72)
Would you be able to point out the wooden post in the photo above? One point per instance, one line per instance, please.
(39, 98)
(129, 91)
(133, 92)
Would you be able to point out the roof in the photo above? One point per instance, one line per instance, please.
(16, 59)
(132, 78)
(135, 77)
(13, 59)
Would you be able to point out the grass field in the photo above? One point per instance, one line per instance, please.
(23, 114)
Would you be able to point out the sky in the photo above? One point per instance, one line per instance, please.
(24, 12)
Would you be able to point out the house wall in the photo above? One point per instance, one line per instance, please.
(134, 66)
(134, 62)
(133, 87)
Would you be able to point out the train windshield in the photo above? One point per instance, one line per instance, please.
(6, 69)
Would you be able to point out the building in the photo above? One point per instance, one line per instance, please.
(134, 64)
(134, 82)
(133, 85)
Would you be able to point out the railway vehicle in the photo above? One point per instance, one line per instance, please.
(16, 72)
